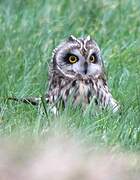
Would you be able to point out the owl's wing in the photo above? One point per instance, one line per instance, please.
(104, 95)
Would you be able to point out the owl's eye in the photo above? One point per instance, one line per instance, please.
(93, 58)
(73, 59)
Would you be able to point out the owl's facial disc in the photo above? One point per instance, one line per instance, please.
(77, 63)
(79, 56)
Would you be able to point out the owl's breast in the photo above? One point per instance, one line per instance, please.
(83, 93)
(83, 88)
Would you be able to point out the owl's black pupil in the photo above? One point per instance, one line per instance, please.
(73, 58)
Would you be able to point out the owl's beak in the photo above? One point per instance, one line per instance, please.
(85, 67)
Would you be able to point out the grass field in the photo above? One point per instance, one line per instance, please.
(30, 29)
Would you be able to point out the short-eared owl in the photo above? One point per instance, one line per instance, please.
(77, 71)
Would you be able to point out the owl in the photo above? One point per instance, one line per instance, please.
(77, 73)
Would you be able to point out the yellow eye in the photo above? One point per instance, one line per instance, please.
(73, 59)
(92, 59)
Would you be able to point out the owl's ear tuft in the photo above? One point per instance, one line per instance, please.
(72, 38)
(88, 38)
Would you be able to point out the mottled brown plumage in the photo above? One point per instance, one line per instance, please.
(83, 80)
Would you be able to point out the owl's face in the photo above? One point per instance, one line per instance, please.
(78, 56)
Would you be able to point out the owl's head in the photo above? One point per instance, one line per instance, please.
(78, 56)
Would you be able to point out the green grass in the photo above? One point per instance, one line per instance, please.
(29, 30)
